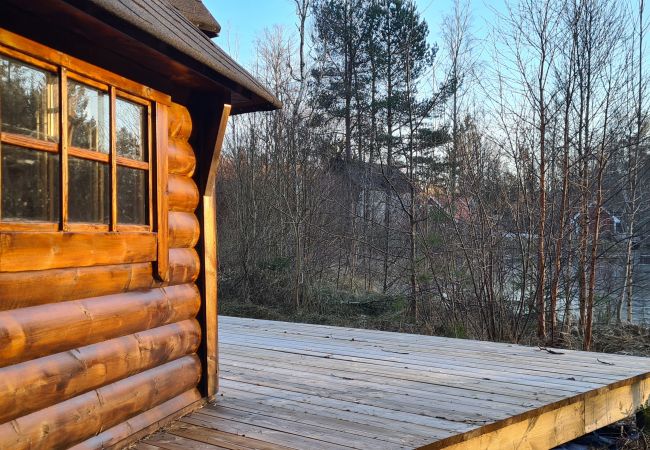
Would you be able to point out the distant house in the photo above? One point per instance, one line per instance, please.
(611, 225)
(458, 208)
(112, 115)
(369, 183)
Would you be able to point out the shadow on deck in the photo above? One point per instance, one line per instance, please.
(286, 385)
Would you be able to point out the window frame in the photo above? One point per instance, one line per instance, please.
(68, 68)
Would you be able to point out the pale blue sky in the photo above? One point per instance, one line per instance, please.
(244, 20)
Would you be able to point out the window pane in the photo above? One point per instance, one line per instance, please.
(88, 117)
(30, 185)
(132, 196)
(29, 100)
(89, 194)
(130, 134)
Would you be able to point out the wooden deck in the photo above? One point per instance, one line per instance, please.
(286, 385)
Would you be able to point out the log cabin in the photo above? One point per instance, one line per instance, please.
(112, 117)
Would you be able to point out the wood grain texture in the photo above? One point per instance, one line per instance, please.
(31, 227)
(79, 418)
(184, 230)
(28, 142)
(30, 333)
(181, 158)
(183, 193)
(97, 322)
(210, 293)
(216, 438)
(180, 122)
(121, 435)
(33, 288)
(88, 154)
(37, 384)
(160, 183)
(63, 157)
(210, 260)
(553, 427)
(184, 264)
(211, 182)
(41, 251)
(112, 157)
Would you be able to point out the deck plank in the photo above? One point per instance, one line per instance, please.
(434, 426)
(340, 417)
(316, 417)
(408, 342)
(421, 391)
(287, 437)
(298, 386)
(462, 373)
(172, 442)
(438, 367)
(436, 381)
(436, 404)
(299, 425)
(540, 359)
(505, 353)
(227, 440)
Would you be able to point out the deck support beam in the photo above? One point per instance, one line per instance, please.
(557, 424)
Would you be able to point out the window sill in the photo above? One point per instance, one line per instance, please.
(37, 227)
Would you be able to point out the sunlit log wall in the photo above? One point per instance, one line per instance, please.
(95, 347)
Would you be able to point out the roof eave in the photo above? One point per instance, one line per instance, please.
(236, 78)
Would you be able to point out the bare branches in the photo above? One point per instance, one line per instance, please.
(508, 203)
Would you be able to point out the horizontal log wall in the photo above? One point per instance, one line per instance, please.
(68, 422)
(29, 333)
(23, 289)
(94, 345)
(144, 423)
(74, 372)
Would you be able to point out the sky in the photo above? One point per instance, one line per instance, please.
(243, 21)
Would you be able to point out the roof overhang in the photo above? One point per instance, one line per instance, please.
(128, 37)
(198, 14)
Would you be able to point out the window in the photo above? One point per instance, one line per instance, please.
(644, 260)
(75, 152)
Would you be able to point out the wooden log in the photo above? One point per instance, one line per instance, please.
(33, 288)
(120, 435)
(37, 384)
(41, 251)
(184, 264)
(29, 333)
(181, 158)
(180, 122)
(184, 230)
(79, 418)
(183, 193)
